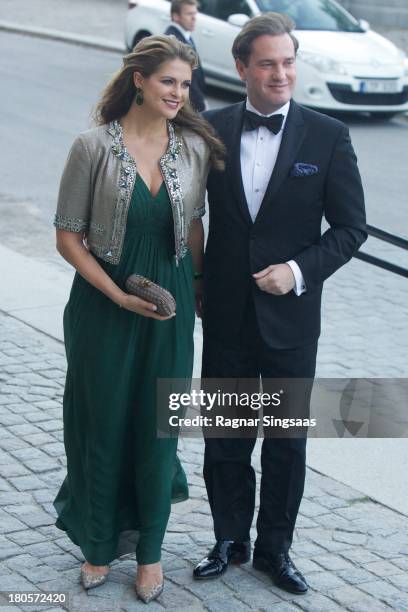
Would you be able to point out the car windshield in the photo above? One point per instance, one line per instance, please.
(313, 14)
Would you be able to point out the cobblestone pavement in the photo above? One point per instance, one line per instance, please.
(353, 550)
(363, 314)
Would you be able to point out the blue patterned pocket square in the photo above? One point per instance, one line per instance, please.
(301, 169)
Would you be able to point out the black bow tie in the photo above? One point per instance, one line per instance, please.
(252, 121)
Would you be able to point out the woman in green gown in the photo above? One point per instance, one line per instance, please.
(131, 197)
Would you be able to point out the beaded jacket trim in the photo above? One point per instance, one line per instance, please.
(173, 185)
(127, 178)
(70, 224)
(198, 212)
(97, 228)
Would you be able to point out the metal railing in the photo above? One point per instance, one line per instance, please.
(376, 232)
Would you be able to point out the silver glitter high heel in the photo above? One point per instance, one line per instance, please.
(90, 580)
(147, 594)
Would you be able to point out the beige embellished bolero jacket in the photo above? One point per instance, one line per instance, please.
(98, 180)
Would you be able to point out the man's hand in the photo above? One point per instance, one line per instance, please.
(276, 279)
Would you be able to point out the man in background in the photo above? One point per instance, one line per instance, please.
(183, 18)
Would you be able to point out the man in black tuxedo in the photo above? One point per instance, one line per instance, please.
(183, 16)
(264, 267)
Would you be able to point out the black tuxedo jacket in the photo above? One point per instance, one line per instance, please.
(288, 226)
(197, 88)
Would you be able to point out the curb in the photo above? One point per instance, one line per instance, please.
(73, 39)
(38, 302)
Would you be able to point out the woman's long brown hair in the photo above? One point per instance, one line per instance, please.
(146, 57)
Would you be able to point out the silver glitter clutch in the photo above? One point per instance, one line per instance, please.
(147, 290)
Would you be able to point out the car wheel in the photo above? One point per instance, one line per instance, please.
(384, 116)
(141, 34)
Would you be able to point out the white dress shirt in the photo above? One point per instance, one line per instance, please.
(259, 151)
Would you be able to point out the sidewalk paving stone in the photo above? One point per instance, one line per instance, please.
(333, 562)
(318, 603)
(398, 604)
(369, 605)
(356, 576)
(386, 569)
(379, 589)
(400, 581)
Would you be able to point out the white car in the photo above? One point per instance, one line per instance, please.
(342, 64)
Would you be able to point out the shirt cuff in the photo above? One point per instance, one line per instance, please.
(300, 286)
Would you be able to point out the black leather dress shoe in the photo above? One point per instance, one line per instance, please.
(282, 570)
(224, 552)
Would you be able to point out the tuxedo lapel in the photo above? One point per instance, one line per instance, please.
(293, 135)
(232, 139)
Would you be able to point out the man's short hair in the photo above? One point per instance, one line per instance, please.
(272, 24)
(176, 5)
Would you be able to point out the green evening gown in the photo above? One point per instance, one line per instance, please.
(121, 478)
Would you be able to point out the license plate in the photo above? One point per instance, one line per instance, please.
(378, 86)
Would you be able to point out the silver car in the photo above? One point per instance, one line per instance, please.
(342, 64)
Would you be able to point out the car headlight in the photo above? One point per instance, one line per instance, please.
(323, 64)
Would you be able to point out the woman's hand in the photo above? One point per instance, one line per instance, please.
(146, 309)
(73, 250)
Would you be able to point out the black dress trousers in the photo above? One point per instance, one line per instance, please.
(228, 474)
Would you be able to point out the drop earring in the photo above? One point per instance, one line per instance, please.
(139, 97)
